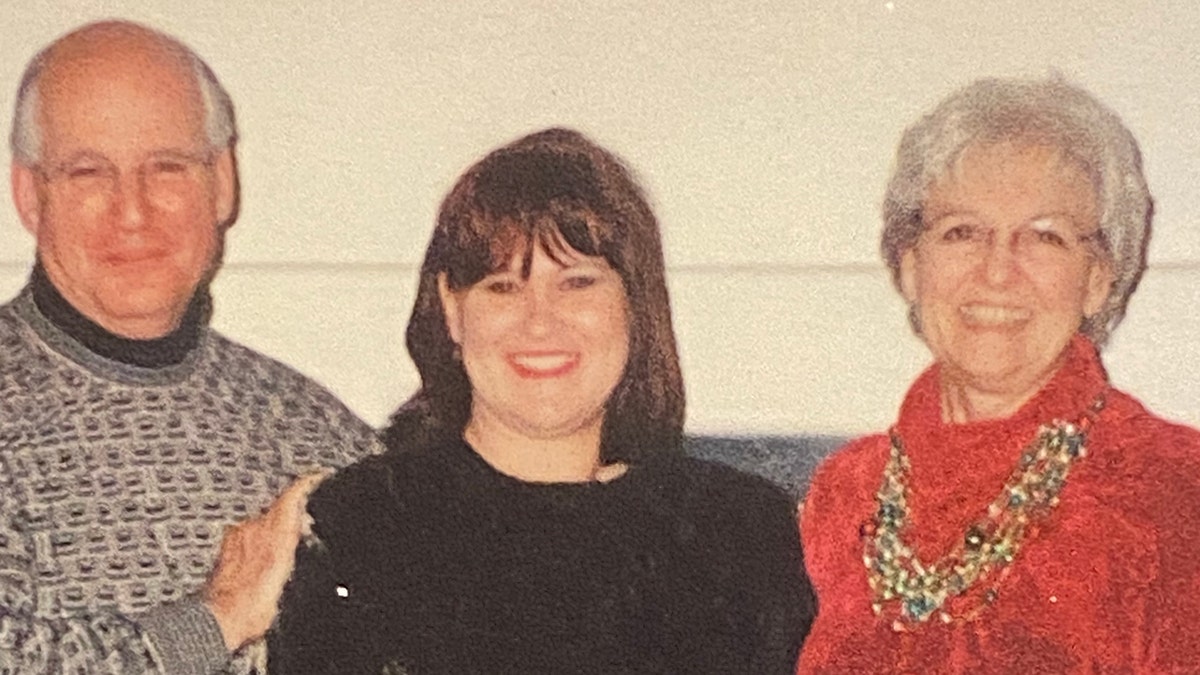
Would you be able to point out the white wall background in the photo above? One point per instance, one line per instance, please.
(763, 131)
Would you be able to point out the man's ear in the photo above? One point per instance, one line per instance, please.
(227, 188)
(450, 307)
(27, 196)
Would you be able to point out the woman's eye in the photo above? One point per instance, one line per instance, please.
(962, 232)
(581, 281)
(500, 286)
(1050, 237)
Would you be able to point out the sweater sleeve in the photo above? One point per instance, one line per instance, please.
(1171, 609)
(87, 643)
(185, 637)
(351, 438)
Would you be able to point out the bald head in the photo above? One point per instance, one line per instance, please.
(124, 172)
(112, 50)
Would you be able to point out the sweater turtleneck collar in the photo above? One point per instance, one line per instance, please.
(958, 469)
(168, 350)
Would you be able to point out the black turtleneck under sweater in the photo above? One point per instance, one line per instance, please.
(168, 350)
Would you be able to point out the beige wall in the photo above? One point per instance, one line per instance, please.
(762, 130)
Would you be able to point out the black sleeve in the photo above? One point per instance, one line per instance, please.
(313, 632)
(762, 602)
(333, 616)
(789, 604)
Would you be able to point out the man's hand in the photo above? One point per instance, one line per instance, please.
(255, 562)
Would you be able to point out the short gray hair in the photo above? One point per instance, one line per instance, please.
(220, 126)
(1047, 111)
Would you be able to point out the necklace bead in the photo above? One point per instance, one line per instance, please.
(912, 591)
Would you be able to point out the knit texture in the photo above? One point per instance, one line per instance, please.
(116, 483)
(1109, 582)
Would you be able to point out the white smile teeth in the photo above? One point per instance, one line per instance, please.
(547, 362)
(993, 315)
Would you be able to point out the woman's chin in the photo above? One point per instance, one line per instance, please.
(554, 427)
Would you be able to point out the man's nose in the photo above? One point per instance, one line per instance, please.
(129, 199)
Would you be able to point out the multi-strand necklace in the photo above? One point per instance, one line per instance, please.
(912, 591)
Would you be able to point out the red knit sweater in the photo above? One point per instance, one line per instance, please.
(1110, 582)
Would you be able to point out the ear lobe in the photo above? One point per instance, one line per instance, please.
(450, 307)
(27, 196)
(1100, 281)
(227, 188)
(908, 275)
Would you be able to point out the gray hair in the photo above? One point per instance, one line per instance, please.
(220, 126)
(1050, 111)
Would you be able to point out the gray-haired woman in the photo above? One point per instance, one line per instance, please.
(1022, 515)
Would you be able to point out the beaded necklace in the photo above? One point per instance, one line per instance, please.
(911, 591)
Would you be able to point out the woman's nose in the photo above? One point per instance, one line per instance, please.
(539, 311)
(1001, 259)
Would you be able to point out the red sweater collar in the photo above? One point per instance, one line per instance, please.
(959, 468)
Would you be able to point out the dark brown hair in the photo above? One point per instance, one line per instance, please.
(555, 189)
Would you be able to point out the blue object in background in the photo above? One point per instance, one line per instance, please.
(786, 460)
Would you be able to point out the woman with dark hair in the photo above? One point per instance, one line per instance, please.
(534, 512)
(1022, 515)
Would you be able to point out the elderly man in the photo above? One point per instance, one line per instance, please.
(131, 434)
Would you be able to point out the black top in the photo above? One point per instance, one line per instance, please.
(434, 562)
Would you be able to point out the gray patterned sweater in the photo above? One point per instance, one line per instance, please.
(117, 481)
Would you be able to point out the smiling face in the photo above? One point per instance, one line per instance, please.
(1006, 269)
(544, 351)
(127, 196)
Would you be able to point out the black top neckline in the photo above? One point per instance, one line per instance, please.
(469, 458)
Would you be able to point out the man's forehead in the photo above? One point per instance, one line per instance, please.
(120, 88)
(74, 62)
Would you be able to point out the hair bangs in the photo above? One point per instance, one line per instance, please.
(487, 246)
(526, 197)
